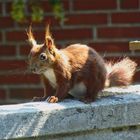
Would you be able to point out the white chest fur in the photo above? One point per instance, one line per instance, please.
(50, 75)
(78, 90)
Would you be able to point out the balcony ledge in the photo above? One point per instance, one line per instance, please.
(116, 116)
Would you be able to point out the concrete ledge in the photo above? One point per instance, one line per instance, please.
(114, 117)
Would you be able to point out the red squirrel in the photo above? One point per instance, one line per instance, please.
(77, 70)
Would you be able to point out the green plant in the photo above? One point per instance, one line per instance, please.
(58, 10)
(19, 7)
(37, 13)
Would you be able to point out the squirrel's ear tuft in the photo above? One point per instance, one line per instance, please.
(30, 35)
(47, 32)
(49, 43)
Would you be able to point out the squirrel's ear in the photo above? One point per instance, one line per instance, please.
(31, 38)
(49, 43)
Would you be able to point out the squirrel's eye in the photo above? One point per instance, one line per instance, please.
(42, 56)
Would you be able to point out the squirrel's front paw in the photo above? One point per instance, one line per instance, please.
(52, 99)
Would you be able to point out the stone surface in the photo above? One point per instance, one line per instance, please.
(116, 116)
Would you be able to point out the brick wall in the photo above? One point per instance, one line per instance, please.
(107, 26)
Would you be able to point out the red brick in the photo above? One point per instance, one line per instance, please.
(66, 34)
(24, 25)
(2, 94)
(0, 8)
(94, 4)
(47, 7)
(129, 4)
(7, 50)
(136, 77)
(118, 32)
(27, 93)
(12, 65)
(73, 34)
(16, 36)
(25, 50)
(6, 22)
(49, 20)
(19, 79)
(127, 17)
(110, 46)
(0, 36)
(86, 19)
(8, 7)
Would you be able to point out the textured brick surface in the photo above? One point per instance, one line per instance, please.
(110, 46)
(6, 22)
(126, 17)
(89, 19)
(129, 4)
(7, 50)
(119, 32)
(2, 94)
(19, 79)
(94, 5)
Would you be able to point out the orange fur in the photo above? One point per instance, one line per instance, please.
(75, 65)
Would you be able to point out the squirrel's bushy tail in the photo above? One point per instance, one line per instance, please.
(120, 73)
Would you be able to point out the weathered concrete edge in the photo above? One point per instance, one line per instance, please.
(70, 116)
